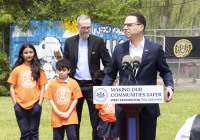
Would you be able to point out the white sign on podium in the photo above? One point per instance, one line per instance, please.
(128, 94)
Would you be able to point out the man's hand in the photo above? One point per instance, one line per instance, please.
(168, 94)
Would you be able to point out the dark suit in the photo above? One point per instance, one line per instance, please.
(153, 61)
(96, 51)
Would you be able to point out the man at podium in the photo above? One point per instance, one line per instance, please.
(134, 71)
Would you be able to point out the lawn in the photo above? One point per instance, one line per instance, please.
(173, 115)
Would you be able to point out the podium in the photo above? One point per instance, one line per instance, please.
(132, 120)
(131, 99)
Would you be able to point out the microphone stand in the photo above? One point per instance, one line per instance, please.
(133, 72)
(130, 74)
(134, 75)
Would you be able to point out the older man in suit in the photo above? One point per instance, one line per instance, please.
(152, 62)
(85, 53)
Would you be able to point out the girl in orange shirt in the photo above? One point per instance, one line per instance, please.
(27, 84)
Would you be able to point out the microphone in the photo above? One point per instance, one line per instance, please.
(126, 62)
(136, 62)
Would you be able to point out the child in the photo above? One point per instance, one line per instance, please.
(107, 125)
(63, 93)
(27, 84)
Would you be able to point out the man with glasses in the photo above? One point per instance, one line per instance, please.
(85, 53)
(152, 62)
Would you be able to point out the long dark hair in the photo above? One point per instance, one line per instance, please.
(35, 62)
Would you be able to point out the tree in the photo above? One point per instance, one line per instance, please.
(101, 11)
(22, 11)
(171, 14)
(4, 73)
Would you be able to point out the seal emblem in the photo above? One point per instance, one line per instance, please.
(100, 95)
(182, 48)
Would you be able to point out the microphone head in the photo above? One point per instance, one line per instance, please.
(136, 59)
(127, 59)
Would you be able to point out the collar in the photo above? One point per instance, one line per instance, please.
(141, 45)
(66, 80)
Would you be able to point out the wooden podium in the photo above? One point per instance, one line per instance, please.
(132, 120)
(131, 99)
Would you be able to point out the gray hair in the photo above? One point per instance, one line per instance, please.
(83, 17)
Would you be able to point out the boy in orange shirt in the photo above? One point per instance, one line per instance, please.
(27, 84)
(63, 93)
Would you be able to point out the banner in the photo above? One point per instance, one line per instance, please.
(182, 47)
(49, 40)
(128, 94)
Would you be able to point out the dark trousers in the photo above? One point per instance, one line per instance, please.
(147, 128)
(87, 91)
(28, 121)
(58, 133)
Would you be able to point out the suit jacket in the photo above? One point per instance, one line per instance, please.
(153, 61)
(96, 51)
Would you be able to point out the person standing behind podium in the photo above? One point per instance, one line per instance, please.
(152, 62)
(85, 53)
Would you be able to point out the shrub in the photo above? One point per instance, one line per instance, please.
(4, 73)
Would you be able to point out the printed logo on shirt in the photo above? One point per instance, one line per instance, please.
(109, 108)
(63, 95)
(27, 80)
(100, 95)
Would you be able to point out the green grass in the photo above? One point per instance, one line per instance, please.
(173, 116)
(10, 131)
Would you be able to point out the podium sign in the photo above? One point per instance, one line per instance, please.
(131, 99)
(128, 94)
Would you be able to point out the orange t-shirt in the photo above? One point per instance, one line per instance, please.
(106, 112)
(27, 91)
(63, 94)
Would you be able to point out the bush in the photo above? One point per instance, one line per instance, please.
(4, 73)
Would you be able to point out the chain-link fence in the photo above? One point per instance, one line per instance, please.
(186, 72)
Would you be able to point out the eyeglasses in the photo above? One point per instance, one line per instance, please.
(85, 28)
(131, 24)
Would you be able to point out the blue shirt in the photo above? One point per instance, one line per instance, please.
(82, 69)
